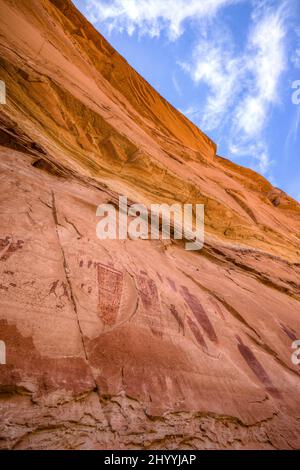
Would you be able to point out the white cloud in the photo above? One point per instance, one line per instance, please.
(244, 86)
(257, 152)
(296, 59)
(214, 64)
(151, 17)
(296, 54)
(265, 58)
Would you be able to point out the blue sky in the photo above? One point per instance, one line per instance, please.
(229, 65)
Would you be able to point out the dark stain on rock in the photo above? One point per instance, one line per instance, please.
(148, 292)
(65, 290)
(90, 263)
(197, 333)
(289, 332)
(156, 332)
(81, 263)
(257, 369)
(8, 247)
(53, 287)
(46, 165)
(200, 314)
(177, 317)
(47, 374)
(172, 284)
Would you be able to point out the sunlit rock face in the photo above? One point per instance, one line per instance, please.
(113, 344)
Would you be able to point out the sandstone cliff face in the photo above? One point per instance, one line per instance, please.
(132, 344)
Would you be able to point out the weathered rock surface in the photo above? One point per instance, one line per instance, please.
(132, 344)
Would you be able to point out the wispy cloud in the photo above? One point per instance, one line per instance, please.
(214, 64)
(242, 83)
(293, 133)
(151, 17)
(244, 86)
(296, 58)
(265, 63)
(176, 85)
(296, 54)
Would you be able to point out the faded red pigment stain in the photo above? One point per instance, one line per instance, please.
(148, 292)
(197, 333)
(172, 284)
(177, 317)
(110, 287)
(156, 332)
(200, 314)
(8, 247)
(55, 285)
(149, 295)
(60, 291)
(289, 332)
(217, 307)
(257, 368)
(48, 374)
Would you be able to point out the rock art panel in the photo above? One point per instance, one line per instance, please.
(110, 286)
(289, 332)
(148, 292)
(200, 314)
(197, 333)
(43, 374)
(257, 369)
(8, 247)
(177, 317)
